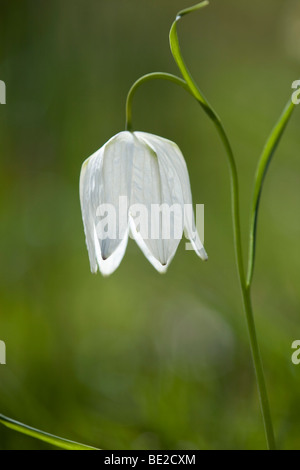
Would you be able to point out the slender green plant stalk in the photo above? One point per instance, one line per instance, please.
(146, 78)
(43, 436)
(262, 168)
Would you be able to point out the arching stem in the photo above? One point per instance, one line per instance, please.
(146, 78)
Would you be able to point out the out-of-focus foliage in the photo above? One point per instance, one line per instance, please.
(140, 360)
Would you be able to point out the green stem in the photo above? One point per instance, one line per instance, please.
(262, 168)
(146, 78)
(42, 435)
(259, 372)
(175, 48)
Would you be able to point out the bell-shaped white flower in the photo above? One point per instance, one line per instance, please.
(136, 184)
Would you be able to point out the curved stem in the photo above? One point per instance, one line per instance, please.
(176, 52)
(199, 96)
(144, 79)
(262, 168)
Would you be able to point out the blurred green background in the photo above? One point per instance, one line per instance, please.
(141, 360)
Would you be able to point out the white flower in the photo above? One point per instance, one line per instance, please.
(129, 177)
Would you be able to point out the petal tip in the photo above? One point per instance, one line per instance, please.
(162, 269)
(203, 255)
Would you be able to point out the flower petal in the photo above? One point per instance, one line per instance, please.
(87, 217)
(148, 252)
(173, 157)
(113, 192)
(157, 188)
(109, 265)
(105, 177)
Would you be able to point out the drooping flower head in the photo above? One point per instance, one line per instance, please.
(136, 184)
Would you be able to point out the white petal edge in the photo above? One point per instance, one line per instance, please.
(85, 211)
(109, 265)
(161, 268)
